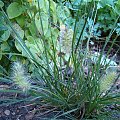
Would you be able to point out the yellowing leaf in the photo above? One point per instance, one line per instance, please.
(30, 1)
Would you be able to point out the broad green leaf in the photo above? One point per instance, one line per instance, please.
(14, 10)
(63, 13)
(5, 46)
(44, 5)
(34, 45)
(33, 29)
(13, 58)
(21, 20)
(27, 33)
(52, 36)
(20, 32)
(18, 46)
(117, 8)
(103, 3)
(1, 4)
(2, 27)
(44, 19)
(5, 36)
(30, 39)
(118, 2)
(53, 11)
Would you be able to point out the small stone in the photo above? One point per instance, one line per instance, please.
(29, 116)
(17, 111)
(13, 113)
(7, 112)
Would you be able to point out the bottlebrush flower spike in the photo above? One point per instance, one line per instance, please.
(20, 76)
(65, 40)
(107, 81)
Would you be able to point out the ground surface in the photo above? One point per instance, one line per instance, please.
(30, 111)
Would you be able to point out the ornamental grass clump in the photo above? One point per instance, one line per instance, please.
(20, 77)
(73, 88)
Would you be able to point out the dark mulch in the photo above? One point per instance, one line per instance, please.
(24, 110)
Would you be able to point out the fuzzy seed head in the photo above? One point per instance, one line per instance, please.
(65, 40)
(20, 76)
(107, 81)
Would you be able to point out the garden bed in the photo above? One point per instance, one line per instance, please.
(59, 60)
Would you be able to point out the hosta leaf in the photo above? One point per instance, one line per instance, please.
(103, 3)
(5, 35)
(44, 5)
(14, 10)
(118, 2)
(1, 4)
(2, 27)
(63, 13)
(18, 46)
(20, 32)
(21, 20)
(32, 29)
(54, 33)
(5, 46)
(44, 19)
(53, 11)
(35, 46)
(34, 43)
(117, 9)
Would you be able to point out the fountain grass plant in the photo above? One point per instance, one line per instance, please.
(74, 86)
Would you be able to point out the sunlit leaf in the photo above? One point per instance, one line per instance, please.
(14, 10)
(44, 25)
(5, 35)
